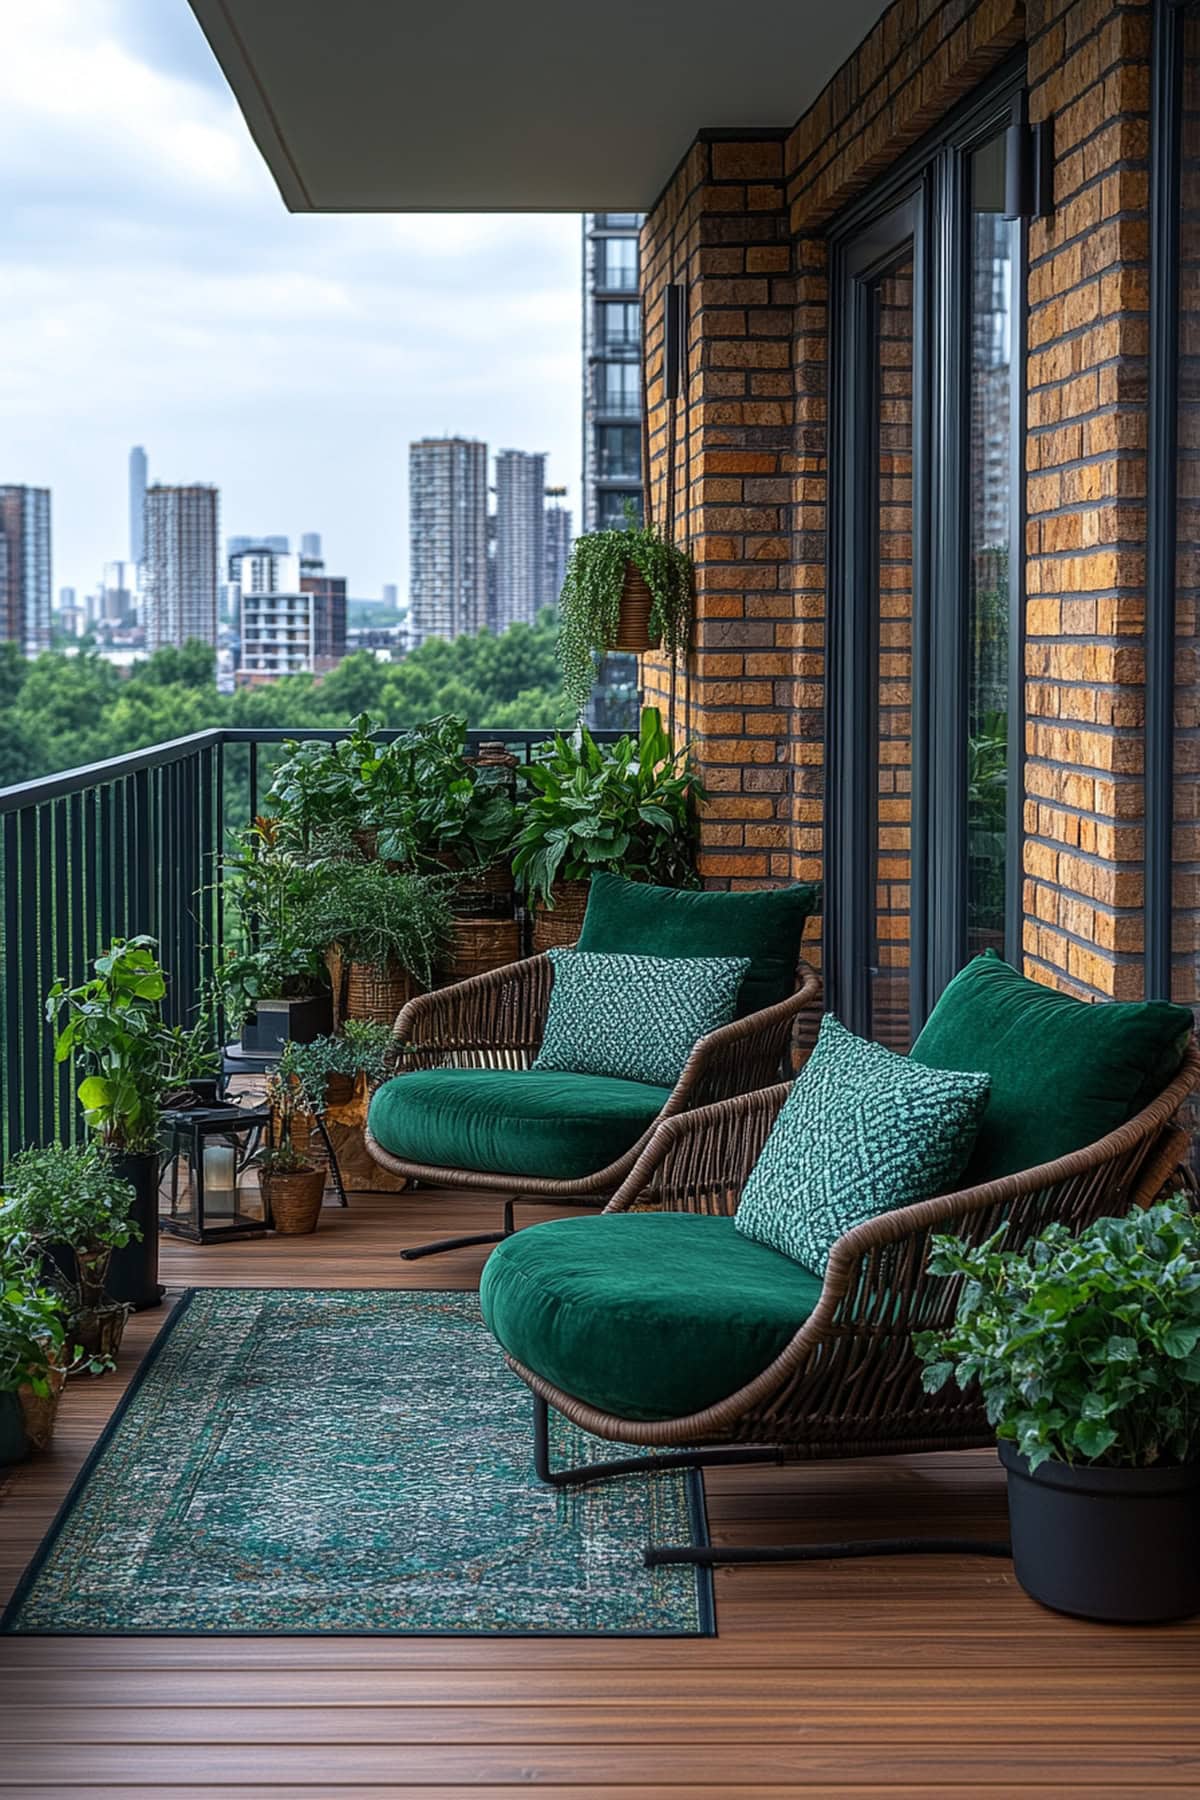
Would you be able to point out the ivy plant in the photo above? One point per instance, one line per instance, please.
(626, 807)
(1086, 1349)
(590, 603)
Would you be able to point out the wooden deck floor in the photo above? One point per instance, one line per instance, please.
(858, 1679)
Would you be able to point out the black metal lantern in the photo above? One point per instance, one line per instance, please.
(204, 1192)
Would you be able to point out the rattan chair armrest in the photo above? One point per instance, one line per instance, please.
(747, 1053)
(699, 1161)
(501, 1011)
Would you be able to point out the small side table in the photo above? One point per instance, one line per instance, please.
(236, 1061)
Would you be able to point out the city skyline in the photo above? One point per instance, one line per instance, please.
(154, 292)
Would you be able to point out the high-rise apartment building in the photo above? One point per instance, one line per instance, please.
(291, 615)
(558, 545)
(310, 545)
(447, 501)
(238, 546)
(612, 369)
(138, 474)
(119, 592)
(181, 557)
(520, 537)
(612, 416)
(25, 586)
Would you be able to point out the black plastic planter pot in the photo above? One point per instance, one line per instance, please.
(273, 1022)
(14, 1440)
(133, 1271)
(1116, 1544)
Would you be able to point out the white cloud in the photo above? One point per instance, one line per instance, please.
(153, 290)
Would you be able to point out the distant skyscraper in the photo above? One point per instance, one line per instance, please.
(391, 595)
(558, 546)
(181, 565)
(118, 593)
(520, 536)
(447, 507)
(612, 369)
(25, 586)
(237, 546)
(310, 545)
(612, 415)
(137, 504)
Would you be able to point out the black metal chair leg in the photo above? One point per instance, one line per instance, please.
(463, 1243)
(707, 1555)
(334, 1169)
(631, 1465)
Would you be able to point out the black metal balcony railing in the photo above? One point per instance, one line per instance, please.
(120, 848)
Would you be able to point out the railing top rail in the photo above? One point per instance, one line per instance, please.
(113, 768)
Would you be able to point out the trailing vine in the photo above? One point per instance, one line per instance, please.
(590, 603)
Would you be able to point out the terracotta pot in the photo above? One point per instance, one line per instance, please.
(633, 621)
(293, 1202)
(562, 926)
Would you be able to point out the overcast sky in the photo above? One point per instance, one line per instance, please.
(154, 290)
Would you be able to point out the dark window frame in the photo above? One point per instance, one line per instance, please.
(929, 187)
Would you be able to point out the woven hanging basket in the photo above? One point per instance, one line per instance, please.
(377, 993)
(294, 1201)
(633, 621)
(478, 945)
(561, 927)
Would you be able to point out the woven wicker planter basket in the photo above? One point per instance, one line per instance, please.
(294, 1201)
(481, 890)
(40, 1413)
(479, 945)
(377, 993)
(562, 926)
(633, 622)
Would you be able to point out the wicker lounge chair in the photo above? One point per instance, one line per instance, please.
(848, 1383)
(496, 1020)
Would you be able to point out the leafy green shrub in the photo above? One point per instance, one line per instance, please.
(1086, 1348)
(625, 807)
(360, 1049)
(267, 887)
(377, 917)
(114, 1024)
(590, 603)
(68, 1199)
(32, 1328)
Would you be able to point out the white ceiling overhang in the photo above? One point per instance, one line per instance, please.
(534, 105)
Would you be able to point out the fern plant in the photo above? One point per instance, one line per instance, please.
(590, 603)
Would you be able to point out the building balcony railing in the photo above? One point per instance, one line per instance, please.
(128, 846)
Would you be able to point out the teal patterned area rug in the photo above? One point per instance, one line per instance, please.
(321, 1460)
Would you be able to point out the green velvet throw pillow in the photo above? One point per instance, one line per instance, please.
(1064, 1072)
(764, 924)
(862, 1132)
(637, 1017)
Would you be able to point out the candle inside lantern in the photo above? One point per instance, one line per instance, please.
(220, 1180)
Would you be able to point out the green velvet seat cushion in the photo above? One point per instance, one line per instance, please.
(644, 1315)
(512, 1121)
(765, 924)
(1064, 1072)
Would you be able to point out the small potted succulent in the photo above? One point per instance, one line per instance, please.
(32, 1354)
(292, 1182)
(628, 808)
(1087, 1353)
(69, 1207)
(113, 1025)
(625, 589)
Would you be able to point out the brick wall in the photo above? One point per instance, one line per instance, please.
(742, 224)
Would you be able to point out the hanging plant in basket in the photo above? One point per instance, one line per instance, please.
(625, 589)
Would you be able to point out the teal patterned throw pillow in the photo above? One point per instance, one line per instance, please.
(862, 1132)
(636, 1017)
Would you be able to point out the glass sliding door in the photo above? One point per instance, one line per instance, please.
(924, 723)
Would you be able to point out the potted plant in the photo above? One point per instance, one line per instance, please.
(1087, 1352)
(293, 1184)
(462, 813)
(625, 807)
(32, 1339)
(272, 982)
(384, 931)
(625, 589)
(328, 795)
(113, 1024)
(69, 1207)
